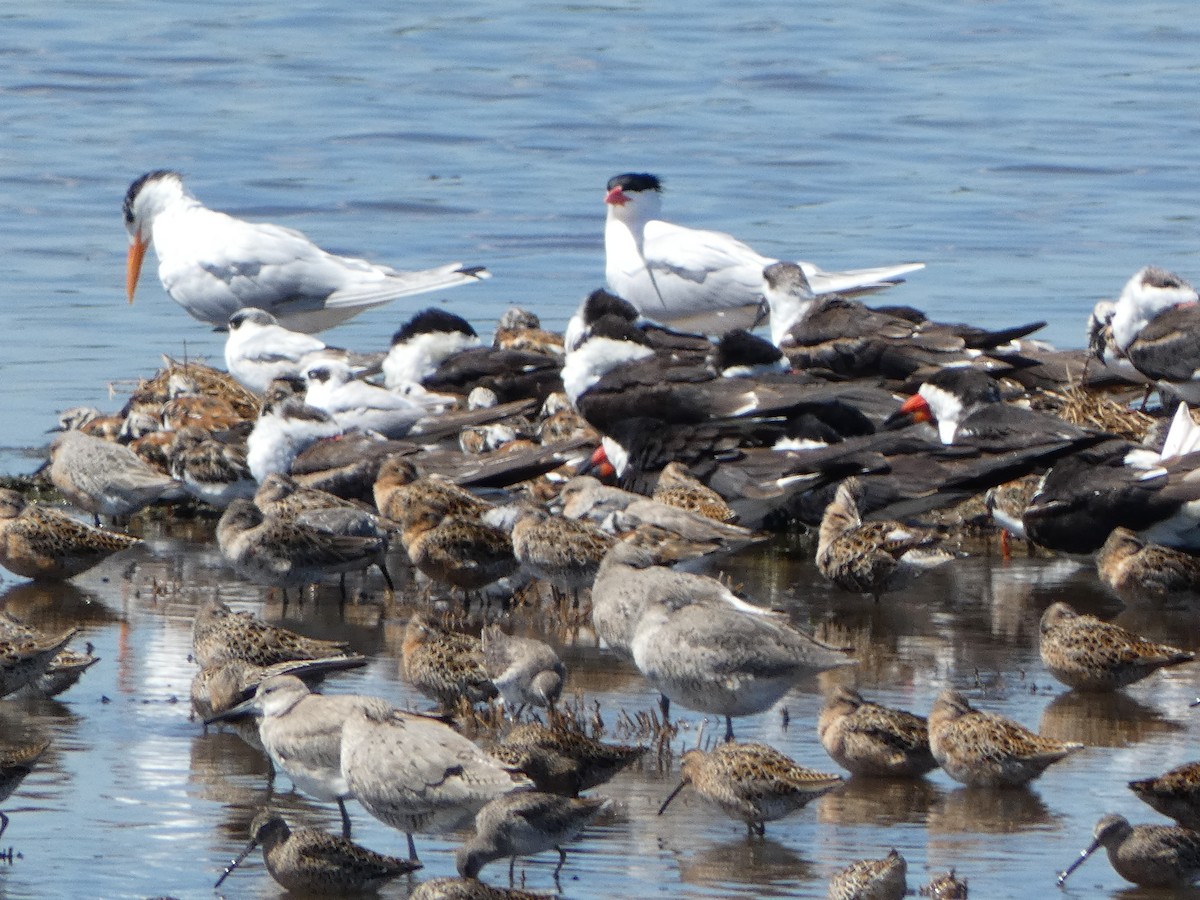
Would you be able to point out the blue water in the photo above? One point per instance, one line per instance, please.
(1034, 155)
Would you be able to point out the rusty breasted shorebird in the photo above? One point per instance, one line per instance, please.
(41, 543)
(1148, 855)
(868, 739)
(562, 760)
(526, 671)
(220, 634)
(751, 782)
(1175, 794)
(872, 557)
(313, 862)
(522, 824)
(982, 749)
(871, 879)
(445, 666)
(1087, 654)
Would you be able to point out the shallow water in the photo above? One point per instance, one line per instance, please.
(155, 805)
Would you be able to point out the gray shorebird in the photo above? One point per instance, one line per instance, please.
(982, 749)
(446, 666)
(302, 733)
(1175, 794)
(104, 478)
(1166, 856)
(872, 557)
(416, 774)
(868, 739)
(871, 879)
(526, 671)
(1087, 654)
(522, 824)
(751, 782)
(220, 634)
(46, 544)
(310, 861)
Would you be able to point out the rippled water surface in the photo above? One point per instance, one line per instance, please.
(1033, 154)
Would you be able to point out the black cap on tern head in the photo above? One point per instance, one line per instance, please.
(433, 321)
(635, 181)
(136, 188)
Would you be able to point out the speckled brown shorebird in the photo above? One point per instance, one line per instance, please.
(872, 557)
(1166, 856)
(871, 879)
(46, 544)
(678, 487)
(522, 824)
(946, 886)
(751, 782)
(982, 749)
(445, 666)
(222, 686)
(526, 671)
(1087, 654)
(313, 862)
(399, 490)
(563, 760)
(215, 472)
(65, 669)
(868, 739)
(457, 551)
(1175, 794)
(25, 659)
(1134, 568)
(17, 761)
(468, 889)
(220, 634)
(564, 552)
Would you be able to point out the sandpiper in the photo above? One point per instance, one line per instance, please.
(64, 670)
(751, 782)
(301, 732)
(445, 666)
(873, 740)
(946, 886)
(1087, 654)
(524, 823)
(564, 552)
(220, 634)
(15, 763)
(416, 774)
(311, 861)
(871, 879)
(563, 760)
(1134, 567)
(468, 889)
(459, 551)
(1175, 794)
(41, 543)
(871, 557)
(983, 749)
(25, 659)
(399, 488)
(213, 471)
(678, 487)
(526, 671)
(1165, 856)
(104, 478)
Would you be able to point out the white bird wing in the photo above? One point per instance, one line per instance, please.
(855, 280)
(697, 270)
(404, 284)
(273, 344)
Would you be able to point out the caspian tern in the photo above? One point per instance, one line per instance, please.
(672, 272)
(213, 264)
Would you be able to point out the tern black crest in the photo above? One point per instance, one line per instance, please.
(635, 181)
(601, 303)
(433, 321)
(741, 348)
(136, 188)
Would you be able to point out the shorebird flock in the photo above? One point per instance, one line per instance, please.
(586, 478)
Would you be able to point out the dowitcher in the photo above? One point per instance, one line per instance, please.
(302, 733)
(678, 487)
(873, 740)
(311, 861)
(220, 634)
(1087, 654)
(1175, 794)
(523, 824)
(289, 552)
(415, 773)
(871, 557)
(25, 659)
(15, 763)
(213, 471)
(104, 478)
(564, 552)
(1134, 567)
(41, 543)
(947, 886)
(1146, 855)
(713, 658)
(983, 749)
(563, 760)
(468, 889)
(445, 666)
(751, 782)
(871, 879)
(526, 671)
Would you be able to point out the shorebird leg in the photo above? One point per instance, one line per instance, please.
(1005, 545)
(345, 818)
(664, 703)
(562, 859)
(3, 823)
(512, 870)
(728, 729)
(412, 848)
